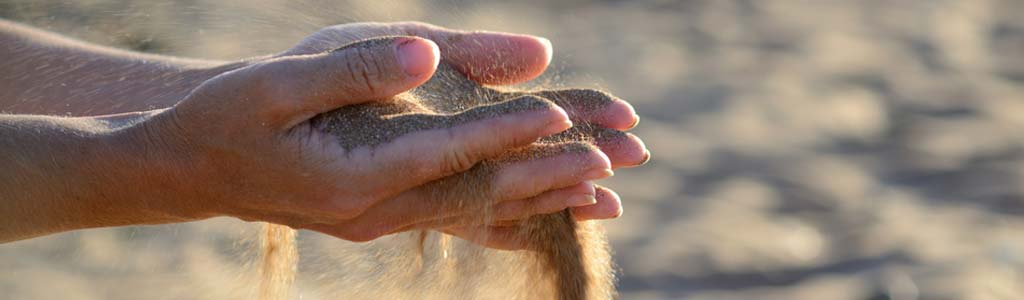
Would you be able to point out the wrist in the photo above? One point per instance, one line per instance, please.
(146, 170)
(75, 173)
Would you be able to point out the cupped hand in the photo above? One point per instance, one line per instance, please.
(242, 145)
(503, 58)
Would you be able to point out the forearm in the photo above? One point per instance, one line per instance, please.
(61, 174)
(45, 73)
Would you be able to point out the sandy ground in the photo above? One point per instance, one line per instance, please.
(802, 149)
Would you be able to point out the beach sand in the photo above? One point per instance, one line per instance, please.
(801, 149)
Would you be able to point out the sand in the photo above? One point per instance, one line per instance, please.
(805, 150)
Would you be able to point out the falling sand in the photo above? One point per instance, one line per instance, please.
(566, 259)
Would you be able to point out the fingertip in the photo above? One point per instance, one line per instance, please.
(647, 157)
(609, 206)
(620, 115)
(500, 58)
(639, 146)
(625, 150)
(614, 207)
(418, 57)
(548, 50)
(535, 54)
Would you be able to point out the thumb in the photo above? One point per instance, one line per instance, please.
(304, 86)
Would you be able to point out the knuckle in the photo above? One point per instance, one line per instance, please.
(235, 85)
(460, 156)
(457, 161)
(502, 132)
(362, 69)
(265, 91)
(516, 140)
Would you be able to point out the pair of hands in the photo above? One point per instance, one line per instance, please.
(241, 144)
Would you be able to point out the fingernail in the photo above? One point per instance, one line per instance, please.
(598, 174)
(418, 56)
(581, 200)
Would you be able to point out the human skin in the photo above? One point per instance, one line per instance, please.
(156, 139)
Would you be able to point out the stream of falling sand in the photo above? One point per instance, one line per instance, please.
(279, 258)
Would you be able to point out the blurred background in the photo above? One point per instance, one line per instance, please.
(802, 149)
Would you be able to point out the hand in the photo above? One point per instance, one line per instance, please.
(524, 57)
(241, 144)
(255, 156)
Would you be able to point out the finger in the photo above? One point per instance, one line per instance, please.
(513, 211)
(488, 57)
(460, 141)
(508, 236)
(623, 149)
(582, 194)
(608, 206)
(296, 88)
(498, 58)
(594, 106)
(548, 167)
(455, 196)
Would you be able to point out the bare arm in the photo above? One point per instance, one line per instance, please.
(45, 73)
(70, 173)
(242, 145)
